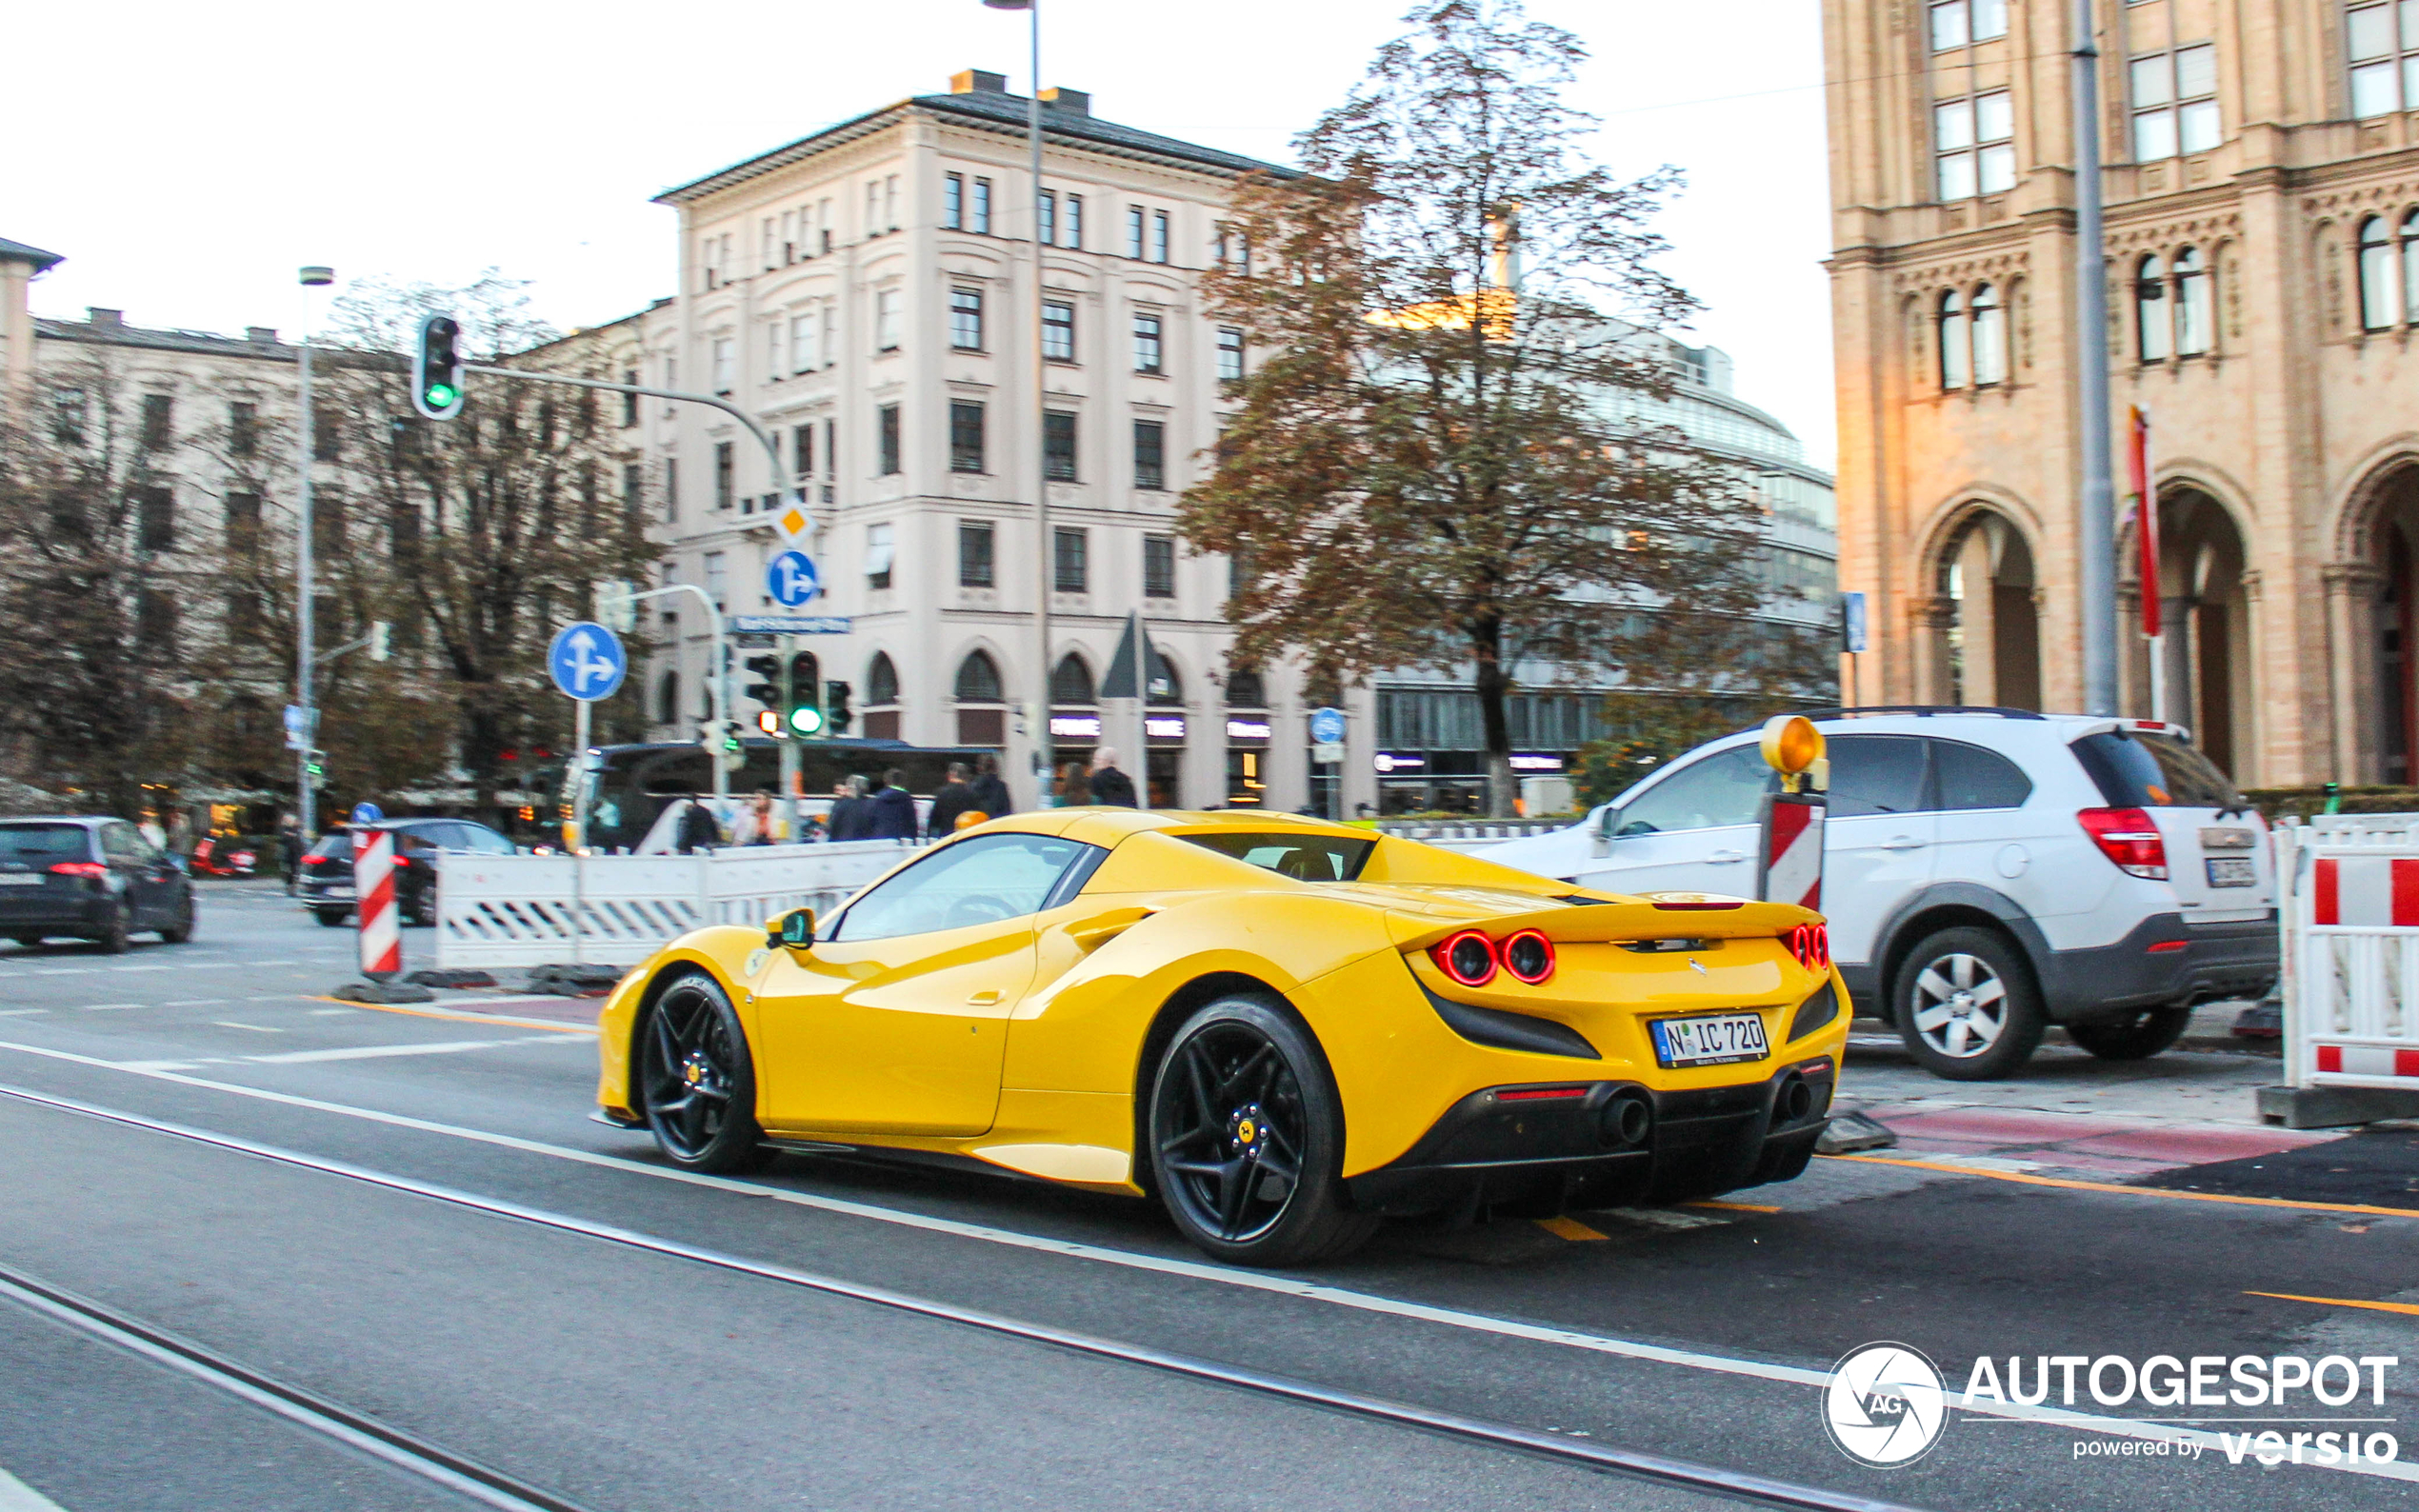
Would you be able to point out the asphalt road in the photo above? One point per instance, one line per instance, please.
(620, 1377)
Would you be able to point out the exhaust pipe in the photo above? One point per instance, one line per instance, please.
(1627, 1121)
(1794, 1101)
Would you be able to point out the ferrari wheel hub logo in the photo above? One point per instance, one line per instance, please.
(695, 1073)
(1884, 1406)
(1246, 1131)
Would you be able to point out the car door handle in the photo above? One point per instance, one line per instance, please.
(986, 998)
(1902, 843)
(1723, 858)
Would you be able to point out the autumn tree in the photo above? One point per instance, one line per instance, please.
(1447, 451)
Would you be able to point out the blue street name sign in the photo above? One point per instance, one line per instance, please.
(790, 624)
(790, 579)
(1327, 726)
(586, 661)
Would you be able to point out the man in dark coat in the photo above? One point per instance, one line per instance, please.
(953, 799)
(987, 792)
(891, 809)
(1109, 786)
(849, 813)
(698, 829)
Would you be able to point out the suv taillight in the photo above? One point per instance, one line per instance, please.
(79, 868)
(2127, 837)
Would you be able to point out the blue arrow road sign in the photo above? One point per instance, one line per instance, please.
(586, 661)
(1327, 726)
(366, 813)
(790, 579)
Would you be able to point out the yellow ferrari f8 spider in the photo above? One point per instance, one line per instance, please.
(1283, 1029)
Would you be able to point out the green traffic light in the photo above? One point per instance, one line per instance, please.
(441, 395)
(806, 719)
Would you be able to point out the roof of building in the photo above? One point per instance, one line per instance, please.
(108, 332)
(19, 252)
(1067, 124)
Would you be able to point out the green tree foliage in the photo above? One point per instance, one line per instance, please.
(1437, 458)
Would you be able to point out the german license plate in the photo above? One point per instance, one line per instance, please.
(2230, 871)
(1714, 1040)
(20, 879)
(343, 893)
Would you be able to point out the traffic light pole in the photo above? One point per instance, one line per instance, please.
(306, 799)
(788, 744)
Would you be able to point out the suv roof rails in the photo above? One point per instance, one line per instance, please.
(1925, 710)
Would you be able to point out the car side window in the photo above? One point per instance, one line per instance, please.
(478, 837)
(1876, 774)
(979, 881)
(119, 841)
(1724, 789)
(1970, 777)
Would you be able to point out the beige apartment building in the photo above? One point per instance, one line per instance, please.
(2262, 191)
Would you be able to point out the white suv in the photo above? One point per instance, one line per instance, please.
(1987, 874)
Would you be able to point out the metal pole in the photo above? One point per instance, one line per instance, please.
(2096, 500)
(306, 802)
(1047, 576)
(717, 680)
(578, 837)
(786, 743)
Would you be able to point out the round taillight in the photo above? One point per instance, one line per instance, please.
(1811, 945)
(1529, 956)
(1468, 958)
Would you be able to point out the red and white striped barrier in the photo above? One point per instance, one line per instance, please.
(2352, 950)
(1791, 864)
(374, 888)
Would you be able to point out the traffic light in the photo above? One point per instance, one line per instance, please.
(769, 722)
(436, 369)
(316, 766)
(767, 689)
(835, 707)
(804, 709)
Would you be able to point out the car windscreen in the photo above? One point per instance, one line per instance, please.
(2138, 770)
(1305, 858)
(44, 843)
(339, 843)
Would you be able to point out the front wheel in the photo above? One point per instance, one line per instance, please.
(113, 939)
(1966, 1007)
(1247, 1139)
(697, 1083)
(2134, 1037)
(333, 918)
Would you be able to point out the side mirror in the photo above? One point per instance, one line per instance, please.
(1600, 842)
(794, 930)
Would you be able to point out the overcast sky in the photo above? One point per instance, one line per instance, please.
(185, 159)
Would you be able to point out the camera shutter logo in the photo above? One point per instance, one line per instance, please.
(1884, 1406)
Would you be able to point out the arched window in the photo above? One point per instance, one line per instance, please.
(1991, 337)
(2195, 322)
(667, 699)
(2153, 320)
(1166, 687)
(1072, 681)
(2411, 261)
(978, 680)
(1956, 357)
(1244, 688)
(882, 680)
(2380, 291)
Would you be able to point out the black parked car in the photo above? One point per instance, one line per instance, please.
(93, 878)
(326, 872)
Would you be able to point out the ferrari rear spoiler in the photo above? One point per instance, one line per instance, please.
(1666, 916)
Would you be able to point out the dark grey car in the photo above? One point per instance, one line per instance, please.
(92, 879)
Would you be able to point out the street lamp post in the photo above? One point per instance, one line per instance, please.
(305, 801)
(2095, 498)
(1044, 582)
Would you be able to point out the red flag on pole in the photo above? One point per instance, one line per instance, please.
(2145, 517)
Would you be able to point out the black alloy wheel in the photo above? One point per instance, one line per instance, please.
(1247, 1139)
(2135, 1036)
(333, 918)
(113, 937)
(188, 919)
(697, 1083)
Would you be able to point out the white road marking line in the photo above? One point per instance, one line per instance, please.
(278, 997)
(321, 1013)
(370, 1052)
(1197, 1271)
(142, 969)
(106, 1007)
(256, 1029)
(15, 1495)
(20, 1013)
(69, 971)
(193, 1003)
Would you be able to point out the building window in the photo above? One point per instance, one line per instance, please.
(1058, 330)
(882, 680)
(1071, 682)
(717, 576)
(667, 699)
(1046, 211)
(979, 216)
(630, 402)
(802, 449)
(1955, 23)
(1159, 567)
(1071, 235)
(802, 357)
(68, 409)
(952, 201)
(2380, 289)
(243, 524)
(1989, 323)
(2385, 59)
(155, 518)
(671, 489)
(2175, 103)
(633, 488)
(965, 319)
(886, 320)
(242, 429)
(965, 436)
(1146, 344)
(1158, 236)
(1133, 232)
(723, 475)
(2195, 307)
(880, 552)
(873, 208)
(1955, 351)
(723, 360)
(1058, 446)
(327, 433)
(1229, 353)
(1150, 454)
(891, 203)
(1973, 140)
(1071, 567)
(978, 680)
(159, 414)
(886, 438)
(974, 554)
(2411, 261)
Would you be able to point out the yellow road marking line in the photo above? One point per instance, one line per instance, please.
(1568, 1229)
(1733, 1207)
(2074, 1185)
(463, 1018)
(2340, 1302)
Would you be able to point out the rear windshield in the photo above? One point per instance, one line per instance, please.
(2139, 770)
(1305, 858)
(339, 843)
(45, 842)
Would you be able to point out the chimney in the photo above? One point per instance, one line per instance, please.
(974, 81)
(261, 335)
(112, 319)
(1074, 101)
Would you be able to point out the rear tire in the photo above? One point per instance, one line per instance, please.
(182, 930)
(333, 918)
(2136, 1036)
(1966, 1007)
(697, 1081)
(113, 939)
(1247, 1139)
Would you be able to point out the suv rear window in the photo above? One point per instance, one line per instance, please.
(338, 844)
(1305, 858)
(2139, 770)
(45, 842)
